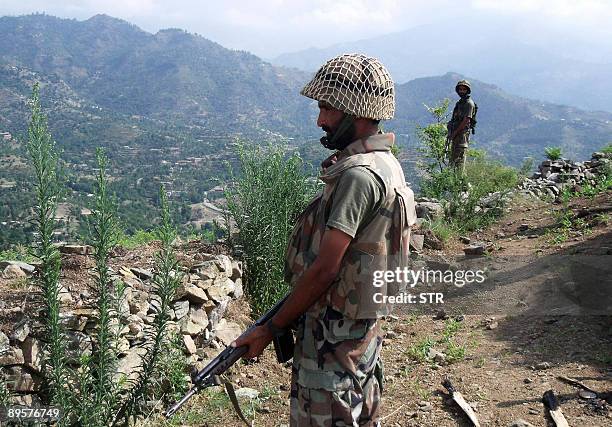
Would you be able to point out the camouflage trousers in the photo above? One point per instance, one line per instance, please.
(459, 151)
(337, 372)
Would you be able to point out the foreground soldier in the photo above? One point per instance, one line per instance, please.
(460, 125)
(360, 223)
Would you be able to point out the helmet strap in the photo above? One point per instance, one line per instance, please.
(341, 138)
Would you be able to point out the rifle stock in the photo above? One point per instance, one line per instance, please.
(208, 376)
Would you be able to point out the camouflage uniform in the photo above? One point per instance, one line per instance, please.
(465, 107)
(337, 371)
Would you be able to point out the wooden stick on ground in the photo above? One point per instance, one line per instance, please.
(552, 403)
(575, 382)
(458, 398)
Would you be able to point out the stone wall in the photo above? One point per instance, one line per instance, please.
(197, 315)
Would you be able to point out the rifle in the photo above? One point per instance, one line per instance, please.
(209, 375)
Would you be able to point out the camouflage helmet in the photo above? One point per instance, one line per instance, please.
(463, 83)
(355, 84)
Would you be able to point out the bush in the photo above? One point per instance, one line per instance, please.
(607, 149)
(264, 201)
(86, 387)
(553, 153)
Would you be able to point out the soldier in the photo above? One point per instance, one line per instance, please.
(460, 125)
(360, 222)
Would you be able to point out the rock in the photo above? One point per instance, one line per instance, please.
(181, 309)
(236, 270)
(78, 344)
(25, 267)
(436, 356)
(13, 272)
(493, 325)
(417, 241)
(76, 249)
(138, 301)
(190, 346)
(72, 321)
(64, 296)
(130, 365)
(534, 411)
(527, 380)
(224, 263)
(426, 408)
(4, 342)
(195, 322)
(205, 270)
(32, 356)
(141, 273)
(135, 324)
(215, 315)
(247, 393)
(432, 241)
(238, 289)
(21, 330)
(191, 293)
(11, 356)
(221, 289)
(21, 381)
(429, 210)
(521, 423)
(585, 394)
(475, 249)
(542, 366)
(227, 332)
(123, 346)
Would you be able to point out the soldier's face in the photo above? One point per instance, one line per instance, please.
(329, 118)
(462, 90)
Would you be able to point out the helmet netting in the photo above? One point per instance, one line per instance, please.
(355, 84)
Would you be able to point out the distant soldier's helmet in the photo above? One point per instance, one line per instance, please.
(463, 83)
(355, 84)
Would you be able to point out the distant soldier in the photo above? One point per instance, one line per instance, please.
(462, 121)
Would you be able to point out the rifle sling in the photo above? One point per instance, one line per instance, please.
(229, 388)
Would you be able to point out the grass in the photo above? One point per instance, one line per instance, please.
(18, 253)
(420, 350)
(139, 238)
(454, 352)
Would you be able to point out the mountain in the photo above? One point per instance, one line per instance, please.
(499, 52)
(168, 75)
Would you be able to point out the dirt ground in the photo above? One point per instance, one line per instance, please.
(544, 312)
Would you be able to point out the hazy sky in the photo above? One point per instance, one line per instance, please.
(268, 28)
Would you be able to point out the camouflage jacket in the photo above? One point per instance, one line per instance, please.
(381, 245)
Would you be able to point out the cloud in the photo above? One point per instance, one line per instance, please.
(270, 27)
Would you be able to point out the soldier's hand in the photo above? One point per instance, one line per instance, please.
(257, 340)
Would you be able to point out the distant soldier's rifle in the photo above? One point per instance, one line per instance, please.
(210, 374)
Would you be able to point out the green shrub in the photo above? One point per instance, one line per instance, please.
(139, 238)
(607, 149)
(264, 201)
(553, 153)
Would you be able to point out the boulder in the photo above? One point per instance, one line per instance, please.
(32, 355)
(191, 293)
(227, 332)
(21, 330)
(225, 264)
(13, 272)
(196, 321)
(130, 365)
(221, 289)
(190, 347)
(181, 309)
(25, 267)
(429, 210)
(76, 249)
(11, 356)
(475, 249)
(206, 270)
(20, 380)
(417, 241)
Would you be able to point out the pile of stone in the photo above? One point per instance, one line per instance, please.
(197, 315)
(553, 177)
